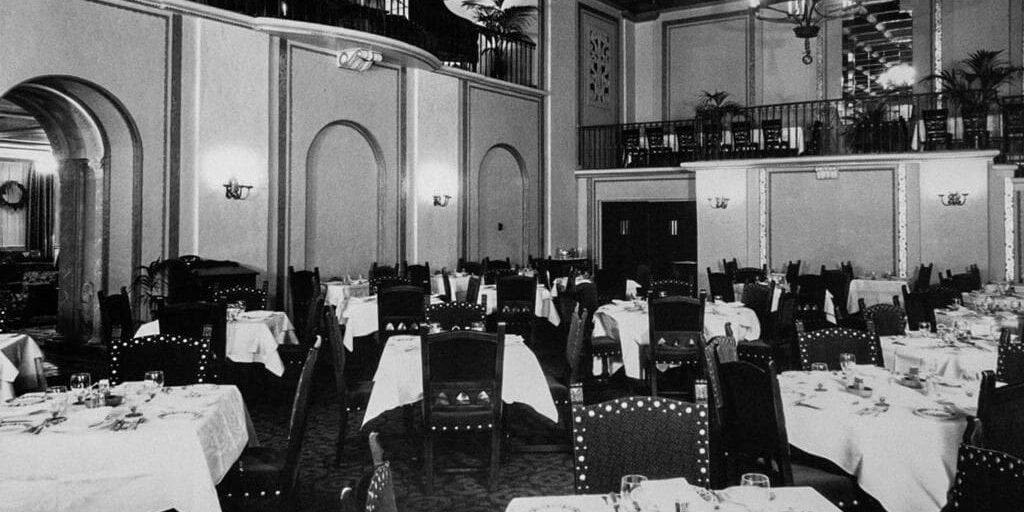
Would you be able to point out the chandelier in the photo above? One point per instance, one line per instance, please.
(807, 15)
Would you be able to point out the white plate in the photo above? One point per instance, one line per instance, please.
(937, 413)
(202, 388)
(26, 399)
(13, 427)
(180, 415)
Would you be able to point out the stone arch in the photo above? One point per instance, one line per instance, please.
(92, 137)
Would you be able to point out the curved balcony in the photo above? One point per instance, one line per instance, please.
(426, 24)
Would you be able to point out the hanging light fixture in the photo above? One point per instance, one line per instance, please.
(807, 15)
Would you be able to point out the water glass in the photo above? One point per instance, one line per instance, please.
(477, 326)
(57, 400)
(819, 367)
(154, 379)
(629, 484)
(924, 329)
(756, 490)
(847, 361)
(80, 383)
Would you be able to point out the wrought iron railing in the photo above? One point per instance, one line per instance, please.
(904, 123)
(427, 24)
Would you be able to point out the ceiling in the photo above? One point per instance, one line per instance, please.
(878, 40)
(18, 127)
(642, 10)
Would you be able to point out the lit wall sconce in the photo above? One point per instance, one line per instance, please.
(826, 173)
(235, 190)
(718, 203)
(953, 199)
(358, 59)
(442, 200)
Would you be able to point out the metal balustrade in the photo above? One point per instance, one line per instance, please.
(891, 124)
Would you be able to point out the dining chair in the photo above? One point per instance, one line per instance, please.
(936, 133)
(676, 324)
(471, 267)
(115, 310)
(294, 355)
(191, 319)
(729, 267)
(473, 289)
(376, 490)
(941, 295)
(962, 282)
(924, 277)
(462, 392)
(183, 359)
(446, 284)
(687, 146)
(353, 394)
(758, 297)
(1010, 358)
(918, 309)
(4, 320)
(255, 299)
(658, 154)
(399, 311)
(810, 292)
(304, 286)
(742, 142)
(492, 275)
(611, 285)
(825, 345)
(747, 275)
(720, 285)
(774, 142)
(455, 316)
(497, 264)
(652, 436)
(792, 271)
(632, 154)
(886, 319)
(1001, 414)
(847, 269)
(837, 282)
(754, 435)
(264, 477)
(382, 270)
(988, 480)
(670, 288)
(381, 283)
(517, 304)
(419, 275)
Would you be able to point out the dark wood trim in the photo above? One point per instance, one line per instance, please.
(284, 110)
(464, 149)
(174, 140)
(403, 184)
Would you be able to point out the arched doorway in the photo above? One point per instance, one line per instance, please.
(345, 172)
(502, 205)
(89, 230)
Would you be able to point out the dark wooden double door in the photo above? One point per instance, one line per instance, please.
(656, 233)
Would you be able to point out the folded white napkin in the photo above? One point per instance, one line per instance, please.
(256, 315)
(663, 494)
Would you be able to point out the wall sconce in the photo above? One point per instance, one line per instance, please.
(235, 190)
(718, 203)
(826, 173)
(441, 200)
(953, 199)
(358, 59)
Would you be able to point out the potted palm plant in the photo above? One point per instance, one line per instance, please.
(973, 86)
(714, 109)
(503, 26)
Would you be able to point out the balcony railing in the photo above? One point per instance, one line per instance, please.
(427, 24)
(904, 123)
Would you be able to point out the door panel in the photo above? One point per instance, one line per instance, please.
(598, 69)
(655, 233)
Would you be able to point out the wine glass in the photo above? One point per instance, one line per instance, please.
(133, 398)
(847, 361)
(57, 400)
(924, 329)
(819, 370)
(154, 380)
(756, 491)
(630, 483)
(80, 382)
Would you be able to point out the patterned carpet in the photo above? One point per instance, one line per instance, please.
(321, 481)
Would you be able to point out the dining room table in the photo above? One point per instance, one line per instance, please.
(561, 282)
(399, 378)
(628, 323)
(337, 293)
(902, 450)
(101, 459)
(665, 493)
(950, 358)
(459, 283)
(873, 291)
(251, 337)
(21, 365)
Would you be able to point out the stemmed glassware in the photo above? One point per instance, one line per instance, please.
(154, 381)
(628, 485)
(80, 383)
(57, 400)
(847, 362)
(756, 490)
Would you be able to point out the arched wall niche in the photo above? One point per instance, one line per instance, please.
(98, 151)
(344, 193)
(501, 206)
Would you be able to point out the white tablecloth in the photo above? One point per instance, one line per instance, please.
(903, 352)
(980, 324)
(905, 461)
(979, 298)
(18, 356)
(337, 293)
(873, 291)
(631, 285)
(360, 318)
(165, 463)
(399, 378)
(459, 285)
(620, 321)
(544, 307)
(253, 338)
(787, 499)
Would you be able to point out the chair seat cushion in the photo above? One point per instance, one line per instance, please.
(462, 418)
(604, 346)
(839, 489)
(257, 471)
(359, 394)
